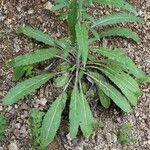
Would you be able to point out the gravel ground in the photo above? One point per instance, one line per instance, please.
(15, 13)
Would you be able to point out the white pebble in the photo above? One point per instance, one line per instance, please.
(13, 146)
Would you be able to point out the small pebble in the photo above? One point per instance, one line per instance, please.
(30, 11)
(13, 146)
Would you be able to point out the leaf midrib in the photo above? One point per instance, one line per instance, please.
(120, 77)
(83, 100)
(52, 119)
(26, 88)
(102, 85)
(43, 37)
(104, 21)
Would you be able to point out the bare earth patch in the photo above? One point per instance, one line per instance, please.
(15, 13)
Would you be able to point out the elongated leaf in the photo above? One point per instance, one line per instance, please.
(52, 120)
(131, 83)
(116, 18)
(24, 88)
(119, 4)
(86, 117)
(33, 57)
(111, 92)
(74, 113)
(61, 81)
(95, 34)
(123, 32)
(64, 43)
(121, 80)
(2, 126)
(72, 19)
(122, 60)
(37, 35)
(86, 16)
(82, 41)
(81, 8)
(104, 99)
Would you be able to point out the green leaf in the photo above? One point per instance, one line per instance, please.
(116, 18)
(104, 99)
(63, 15)
(88, 2)
(123, 32)
(64, 43)
(85, 87)
(119, 4)
(61, 80)
(24, 88)
(147, 80)
(111, 92)
(62, 1)
(74, 113)
(57, 7)
(28, 70)
(72, 19)
(2, 126)
(52, 120)
(124, 82)
(132, 83)
(63, 67)
(124, 134)
(98, 124)
(37, 35)
(36, 122)
(122, 60)
(86, 117)
(86, 16)
(18, 73)
(95, 34)
(82, 41)
(33, 57)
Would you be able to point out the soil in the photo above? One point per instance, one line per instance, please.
(15, 13)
